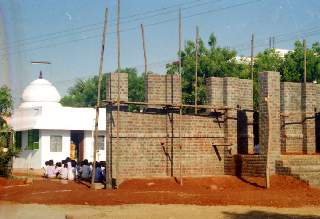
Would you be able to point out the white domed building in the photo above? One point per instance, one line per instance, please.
(46, 130)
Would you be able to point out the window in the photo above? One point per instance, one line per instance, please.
(33, 139)
(55, 143)
(18, 139)
(101, 142)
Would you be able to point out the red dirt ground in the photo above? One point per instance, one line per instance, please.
(227, 190)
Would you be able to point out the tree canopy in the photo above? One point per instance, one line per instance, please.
(221, 62)
(213, 61)
(84, 92)
(6, 102)
(6, 105)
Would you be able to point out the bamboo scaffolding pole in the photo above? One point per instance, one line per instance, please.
(109, 135)
(252, 55)
(196, 73)
(165, 105)
(267, 182)
(118, 78)
(96, 131)
(118, 35)
(109, 149)
(108, 102)
(180, 108)
(296, 113)
(144, 51)
(304, 61)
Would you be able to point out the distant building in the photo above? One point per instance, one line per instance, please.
(46, 130)
(282, 52)
(243, 60)
(247, 59)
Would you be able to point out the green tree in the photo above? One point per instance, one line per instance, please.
(213, 61)
(6, 101)
(84, 92)
(293, 65)
(267, 60)
(6, 133)
(6, 104)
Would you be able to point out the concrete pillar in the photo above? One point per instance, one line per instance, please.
(270, 87)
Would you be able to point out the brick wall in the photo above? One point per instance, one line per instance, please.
(270, 87)
(292, 129)
(298, 101)
(251, 165)
(138, 152)
(163, 89)
(234, 92)
(112, 86)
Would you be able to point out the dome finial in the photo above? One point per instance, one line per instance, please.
(40, 75)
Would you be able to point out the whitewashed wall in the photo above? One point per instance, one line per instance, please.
(36, 158)
(45, 146)
(88, 147)
(27, 158)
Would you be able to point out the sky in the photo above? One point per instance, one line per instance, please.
(68, 33)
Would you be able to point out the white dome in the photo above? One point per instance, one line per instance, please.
(40, 92)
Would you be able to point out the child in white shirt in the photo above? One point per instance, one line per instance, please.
(51, 173)
(58, 169)
(45, 169)
(72, 171)
(64, 172)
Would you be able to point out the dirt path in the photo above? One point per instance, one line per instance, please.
(284, 192)
(36, 211)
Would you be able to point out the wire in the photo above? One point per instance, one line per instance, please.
(150, 24)
(282, 37)
(91, 27)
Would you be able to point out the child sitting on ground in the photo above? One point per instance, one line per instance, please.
(99, 174)
(51, 173)
(58, 169)
(72, 171)
(45, 169)
(85, 170)
(64, 172)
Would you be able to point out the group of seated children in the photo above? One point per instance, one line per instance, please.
(70, 170)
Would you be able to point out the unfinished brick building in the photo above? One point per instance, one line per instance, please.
(160, 142)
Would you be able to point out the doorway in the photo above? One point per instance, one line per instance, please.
(77, 138)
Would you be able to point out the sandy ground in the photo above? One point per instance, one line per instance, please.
(207, 191)
(36, 211)
(210, 197)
